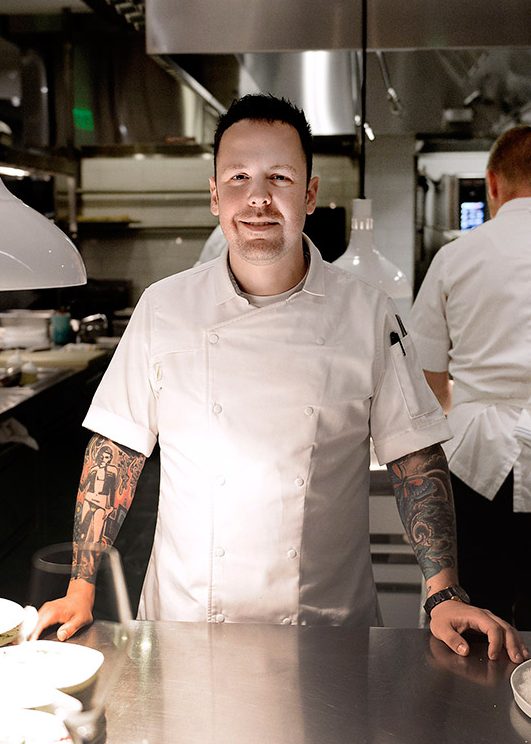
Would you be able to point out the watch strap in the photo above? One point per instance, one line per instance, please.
(455, 592)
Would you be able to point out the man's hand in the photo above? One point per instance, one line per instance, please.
(72, 611)
(449, 619)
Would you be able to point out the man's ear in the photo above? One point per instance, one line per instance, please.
(492, 184)
(214, 204)
(311, 195)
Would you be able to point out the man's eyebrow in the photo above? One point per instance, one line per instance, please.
(243, 166)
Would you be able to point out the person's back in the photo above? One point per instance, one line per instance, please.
(471, 322)
(484, 278)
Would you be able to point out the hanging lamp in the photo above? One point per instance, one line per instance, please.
(34, 253)
(361, 256)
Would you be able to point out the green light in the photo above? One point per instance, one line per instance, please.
(83, 119)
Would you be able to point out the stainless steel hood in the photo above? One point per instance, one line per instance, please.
(233, 26)
(439, 56)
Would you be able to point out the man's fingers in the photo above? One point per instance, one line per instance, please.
(516, 648)
(450, 619)
(66, 631)
(453, 640)
(61, 611)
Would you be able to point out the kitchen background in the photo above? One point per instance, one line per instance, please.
(108, 107)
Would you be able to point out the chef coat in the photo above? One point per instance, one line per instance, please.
(263, 416)
(472, 317)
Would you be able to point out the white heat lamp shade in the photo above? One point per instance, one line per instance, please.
(363, 259)
(34, 253)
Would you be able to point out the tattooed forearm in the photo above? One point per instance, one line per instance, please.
(106, 489)
(421, 484)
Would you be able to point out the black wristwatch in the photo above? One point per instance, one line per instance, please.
(450, 592)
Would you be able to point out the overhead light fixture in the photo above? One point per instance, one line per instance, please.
(8, 170)
(34, 253)
(361, 256)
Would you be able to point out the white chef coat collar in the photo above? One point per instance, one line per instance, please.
(513, 205)
(224, 289)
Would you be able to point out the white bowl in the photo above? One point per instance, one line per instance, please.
(11, 617)
(32, 727)
(521, 686)
(64, 666)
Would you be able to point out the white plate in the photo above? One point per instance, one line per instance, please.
(21, 692)
(11, 617)
(32, 727)
(65, 666)
(521, 685)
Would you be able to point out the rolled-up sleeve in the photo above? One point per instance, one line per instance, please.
(124, 406)
(405, 414)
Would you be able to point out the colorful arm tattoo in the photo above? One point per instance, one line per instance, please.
(106, 489)
(421, 483)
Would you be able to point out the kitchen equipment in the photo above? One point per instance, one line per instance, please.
(60, 329)
(91, 327)
(24, 329)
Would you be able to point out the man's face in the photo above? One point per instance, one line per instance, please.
(260, 192)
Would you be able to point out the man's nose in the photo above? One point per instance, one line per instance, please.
(259, 195)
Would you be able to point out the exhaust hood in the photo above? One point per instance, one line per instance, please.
(434, 55)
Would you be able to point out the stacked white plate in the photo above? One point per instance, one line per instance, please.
(36, 678)
(11, 617)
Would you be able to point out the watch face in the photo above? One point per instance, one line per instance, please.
(460, 592)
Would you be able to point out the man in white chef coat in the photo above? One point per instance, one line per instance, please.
(263, 374)
(471, 321)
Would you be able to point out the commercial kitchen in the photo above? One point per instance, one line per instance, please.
(107, 115)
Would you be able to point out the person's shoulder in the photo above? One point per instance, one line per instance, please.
(350, 279)
(340, 281)
(467, 241)
(170, 283)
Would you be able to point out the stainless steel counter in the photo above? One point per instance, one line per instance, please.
(259, 684)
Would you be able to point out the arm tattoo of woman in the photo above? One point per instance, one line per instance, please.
(421, 484)
(106, 489)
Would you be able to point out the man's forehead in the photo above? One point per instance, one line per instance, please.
(246, 130)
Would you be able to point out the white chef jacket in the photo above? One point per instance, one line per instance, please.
(472, 317)
(263, 416)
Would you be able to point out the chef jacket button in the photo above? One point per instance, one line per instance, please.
(286, 621)
(219, 552)
(308, 410)
(299, 481)
(319, 340)
(213, 338)
(221, 480)
(292, 553)
(216, 408)
(220, 618)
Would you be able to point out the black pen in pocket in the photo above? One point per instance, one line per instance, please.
(395, 339)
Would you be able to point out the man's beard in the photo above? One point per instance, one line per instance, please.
(259, 249)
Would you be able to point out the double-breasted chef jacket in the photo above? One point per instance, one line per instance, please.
(263, 417)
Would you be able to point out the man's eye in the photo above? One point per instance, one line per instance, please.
(239, 177)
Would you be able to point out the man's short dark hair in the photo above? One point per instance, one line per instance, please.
(260, 107)
(510, 156)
